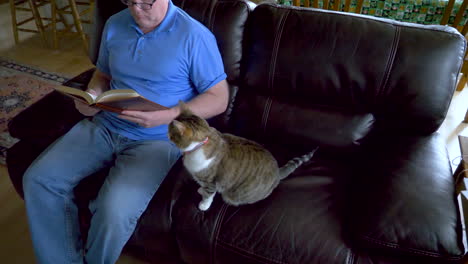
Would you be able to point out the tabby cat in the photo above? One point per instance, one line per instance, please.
(241, 170)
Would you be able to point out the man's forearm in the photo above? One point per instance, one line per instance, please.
(208, 104)
(211, 103)
(99, 83)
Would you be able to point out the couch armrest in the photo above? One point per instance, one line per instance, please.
(405, 198)
(48, 118)
(51, 116)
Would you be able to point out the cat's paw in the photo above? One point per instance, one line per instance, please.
(200, 191)
(204, 205)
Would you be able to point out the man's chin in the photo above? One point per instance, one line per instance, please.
(140, 24)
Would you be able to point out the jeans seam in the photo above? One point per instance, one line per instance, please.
(69, 232)
(141, 211)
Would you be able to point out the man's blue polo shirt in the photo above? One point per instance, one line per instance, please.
(176, 61)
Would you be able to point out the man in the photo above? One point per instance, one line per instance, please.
(156, 49)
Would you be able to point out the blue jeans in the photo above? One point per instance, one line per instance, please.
(137, 170)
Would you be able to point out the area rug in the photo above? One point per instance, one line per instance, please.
(20, 87)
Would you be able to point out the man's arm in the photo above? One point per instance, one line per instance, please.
(212, 102)
(98, 84)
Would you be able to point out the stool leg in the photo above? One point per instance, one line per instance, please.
(61, 18)
(466, 117)
(462, 82)
(53, 10)
(78, 26)
(14, 21)
(91, 8)
(38, 20)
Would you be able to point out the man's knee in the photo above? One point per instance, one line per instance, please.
(43, 176)
(116, 208)
(34, 178)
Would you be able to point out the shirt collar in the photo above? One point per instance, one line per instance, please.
(166, 25)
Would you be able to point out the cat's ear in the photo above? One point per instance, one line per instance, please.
(179, 126)
(184, 109)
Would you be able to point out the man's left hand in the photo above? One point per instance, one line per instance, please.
(150, 119)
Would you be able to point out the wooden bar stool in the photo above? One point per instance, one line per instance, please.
(28, 8)
(70, 8)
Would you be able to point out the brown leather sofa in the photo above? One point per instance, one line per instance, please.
(370, 92)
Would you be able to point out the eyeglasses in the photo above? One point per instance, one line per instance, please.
(142, 6)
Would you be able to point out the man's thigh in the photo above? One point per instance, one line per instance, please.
(138, 171)
(83, 150)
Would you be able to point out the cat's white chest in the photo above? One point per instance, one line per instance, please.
(197, 161)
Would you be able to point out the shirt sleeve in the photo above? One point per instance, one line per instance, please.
(102, 63)
(206, 67)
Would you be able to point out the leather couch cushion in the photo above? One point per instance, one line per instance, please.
(405, 198)
(302, 127)
(293, 68)
(226, 19)
(303, 221)
(315, 57)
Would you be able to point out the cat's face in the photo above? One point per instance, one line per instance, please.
(187, 128)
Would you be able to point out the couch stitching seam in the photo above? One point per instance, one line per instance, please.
(216, 231)
(411, 250)
(362, 17)
(248, 254)
(390, 61)
(271, 77)
(213, 16)
(275, 49)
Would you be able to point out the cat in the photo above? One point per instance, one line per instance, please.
(241, 170)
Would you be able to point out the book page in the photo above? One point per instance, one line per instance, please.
(92, 96)
(116, 95)
(75, 93)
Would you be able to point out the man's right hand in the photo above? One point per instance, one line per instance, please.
(86, 109)
(99, 83)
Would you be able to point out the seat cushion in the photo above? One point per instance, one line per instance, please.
(302, 221)
(405, 198)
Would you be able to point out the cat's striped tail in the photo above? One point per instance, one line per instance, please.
(293, 164)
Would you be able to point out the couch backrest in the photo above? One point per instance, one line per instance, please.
(313, 76)
(103, 9)
(226, 19)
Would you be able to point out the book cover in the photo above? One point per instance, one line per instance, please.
(113, 100)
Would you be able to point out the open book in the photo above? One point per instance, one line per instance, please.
(112, 100)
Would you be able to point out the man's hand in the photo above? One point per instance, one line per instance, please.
(85, 109)
(150, 119)
(208, 104)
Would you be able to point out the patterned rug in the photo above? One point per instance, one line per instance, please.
(20, 87)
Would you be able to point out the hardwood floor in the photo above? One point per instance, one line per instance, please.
(16, 246)
(15, 242)
(69, 60)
